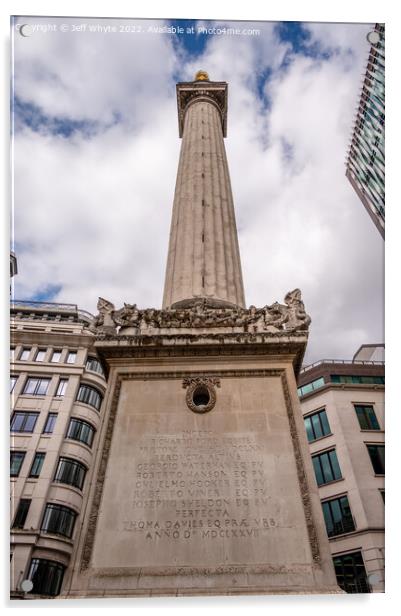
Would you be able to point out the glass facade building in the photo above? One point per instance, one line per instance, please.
(365, 161)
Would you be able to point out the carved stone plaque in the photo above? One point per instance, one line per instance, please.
(201, 490)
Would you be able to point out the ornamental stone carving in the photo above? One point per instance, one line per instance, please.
(203, 316)
(201, 393)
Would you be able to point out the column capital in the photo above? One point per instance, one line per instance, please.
(215, 92)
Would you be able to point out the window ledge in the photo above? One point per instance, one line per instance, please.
(87, 406)
(74, 440)
(379, 431)
(340, 535)
(49, 535)
(102, 376)
(59, 484)
(320, 438)
(14, 432)
(329, 483)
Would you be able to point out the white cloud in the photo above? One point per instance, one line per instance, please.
(93, 214)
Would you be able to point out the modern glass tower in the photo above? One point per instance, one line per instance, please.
(365, 161)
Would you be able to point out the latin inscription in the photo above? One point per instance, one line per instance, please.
(199, 484)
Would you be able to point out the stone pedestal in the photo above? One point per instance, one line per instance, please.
(203, 482)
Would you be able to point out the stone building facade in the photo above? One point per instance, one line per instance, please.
(342, 404)
(57, 388)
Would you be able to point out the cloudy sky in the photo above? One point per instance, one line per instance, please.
(95, 154)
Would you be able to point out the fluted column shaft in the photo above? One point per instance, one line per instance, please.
(203, 257)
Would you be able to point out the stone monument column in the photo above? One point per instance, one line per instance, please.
(203, 482)
(203, 256)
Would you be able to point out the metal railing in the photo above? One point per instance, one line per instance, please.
(348, 362)
(51, 307)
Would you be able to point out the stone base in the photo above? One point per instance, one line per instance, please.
(215, 499)
(195, 592)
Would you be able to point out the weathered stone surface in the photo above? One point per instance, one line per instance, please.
(203, 256)
(199, 316)
(213, 502)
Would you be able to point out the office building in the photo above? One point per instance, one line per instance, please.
(365, 161)
(343, 408)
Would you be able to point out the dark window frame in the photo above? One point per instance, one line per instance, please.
(90, 395)
(70, 472)
(377, 461)
(21, 513)
(61, 387)
(318, 414)
(345, 524)
(24, 350)
(318, 457)
(58, 520)
(26, 415)
(37, 464)
(40, 352)
(82, 424)
(51, 418)
(47, 576)
(359, 582)
(71, 354)
(20, 455)
(365, 419)
(59, 353)
(13, 382)
(98, 369)
(37, 388)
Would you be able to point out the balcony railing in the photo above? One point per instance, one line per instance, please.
(51, 307)
(348, 362)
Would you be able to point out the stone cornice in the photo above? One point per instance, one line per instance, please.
(204, 345)
(52, 338)
(214, 92)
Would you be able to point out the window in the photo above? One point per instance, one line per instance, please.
(382, 494)
(72, 357)
(16, 460)
(361, 380)
(94, 365)
(50, 423)
(61, 387)
(47, 577)
(89, 395)
(366, 417)
(36, 386)
(317, 425)
(376, 453)
(22, 512)
(56, 357)
(24, 355)
(338, 517)
(350, 572)
(37, 464)
(82, 431)
(58, 520)
(13, 380)
(40, 355)
(326, 467)
(306, 389)
(70, 472)
(23, 422)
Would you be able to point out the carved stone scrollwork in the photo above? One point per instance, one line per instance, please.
(202, 314)
(201, 393)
